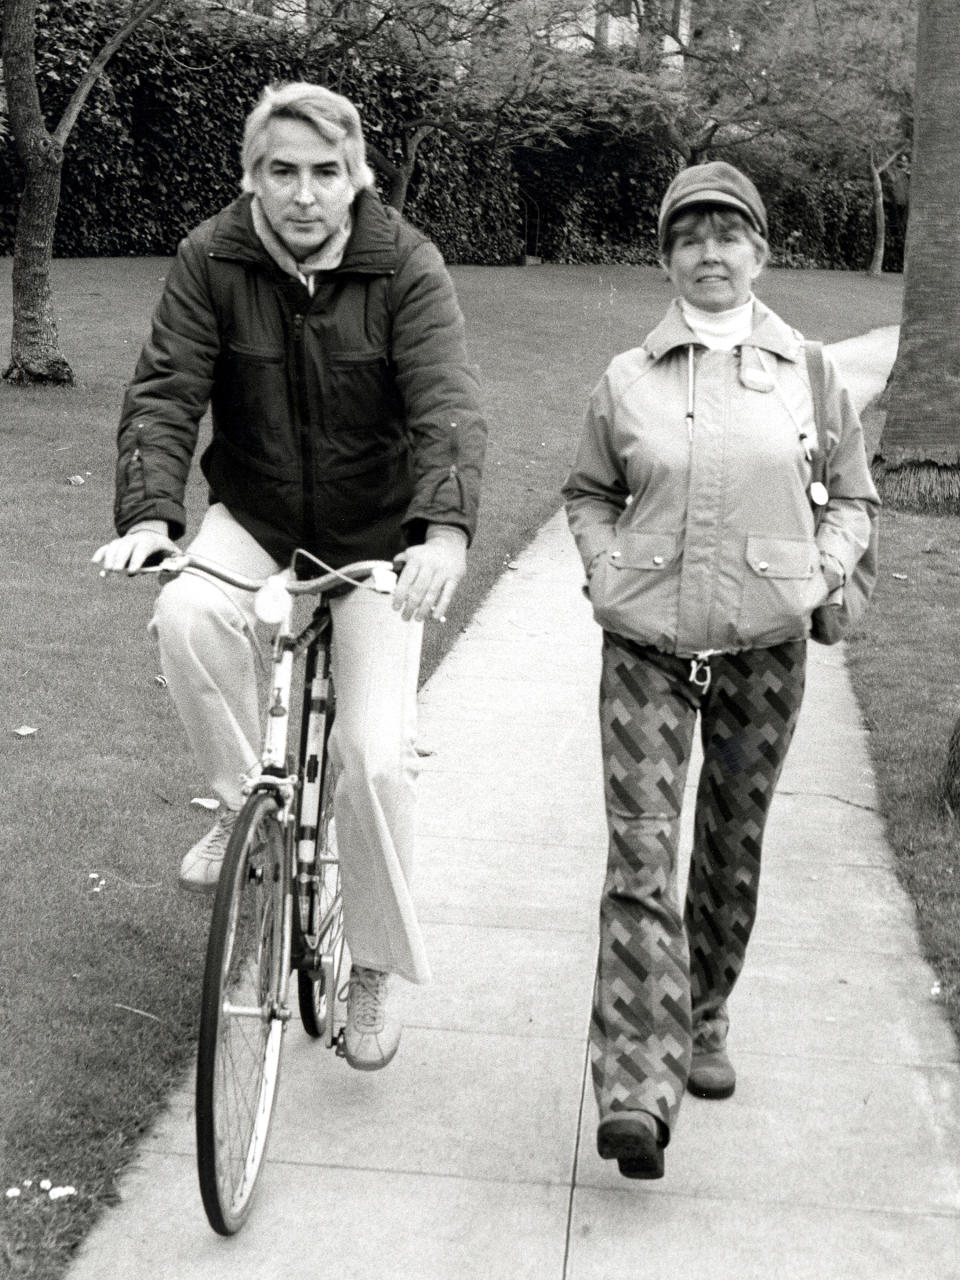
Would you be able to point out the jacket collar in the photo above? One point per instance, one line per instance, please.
(371, 248)
(770, 333)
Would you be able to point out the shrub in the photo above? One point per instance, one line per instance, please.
(156, 149)
(595, 199)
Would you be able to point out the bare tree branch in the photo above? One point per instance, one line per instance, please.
(93, 71)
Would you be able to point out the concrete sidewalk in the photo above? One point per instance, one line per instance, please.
(472, 1156)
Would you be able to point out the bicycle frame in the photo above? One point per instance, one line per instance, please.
(298, 794)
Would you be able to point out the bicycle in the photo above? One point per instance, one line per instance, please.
(278, 904)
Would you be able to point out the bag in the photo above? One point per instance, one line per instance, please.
(831, 622)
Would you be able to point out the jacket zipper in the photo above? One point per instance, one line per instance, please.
(453, 470)
(302, 411)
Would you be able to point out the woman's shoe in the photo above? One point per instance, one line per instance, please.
(632, 1138)
(711, 1075)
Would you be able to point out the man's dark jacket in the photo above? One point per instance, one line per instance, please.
(344, 423)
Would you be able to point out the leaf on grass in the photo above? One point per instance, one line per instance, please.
(25, 731)
(75, 480)
(205, 802)
(128, 1008)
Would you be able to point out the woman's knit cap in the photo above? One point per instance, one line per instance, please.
(713, 183)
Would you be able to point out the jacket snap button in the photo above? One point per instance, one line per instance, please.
(614, 555)
(763, 566)
(658, 559)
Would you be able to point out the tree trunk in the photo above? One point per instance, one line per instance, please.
(35, 343)
(35, 354)
(399, 175)
(879, 222)
(918, 461)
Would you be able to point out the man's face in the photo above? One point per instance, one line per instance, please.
(302, 185)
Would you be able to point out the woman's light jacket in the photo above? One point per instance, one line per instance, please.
(689, 498)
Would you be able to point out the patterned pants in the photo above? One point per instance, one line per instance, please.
(663, 980)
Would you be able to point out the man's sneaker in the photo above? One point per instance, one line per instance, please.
(200, 869)
(711, 1075)
(370, 1038)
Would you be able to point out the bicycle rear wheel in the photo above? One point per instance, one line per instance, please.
(241, 1018)
(320, 972)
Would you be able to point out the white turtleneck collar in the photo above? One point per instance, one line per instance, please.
(720, 330)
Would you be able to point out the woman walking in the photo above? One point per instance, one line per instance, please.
(691, 504)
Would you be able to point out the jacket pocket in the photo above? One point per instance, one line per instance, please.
(252, 408)
(633, 586)
(781, 585)
(365, 410)
(368, 498)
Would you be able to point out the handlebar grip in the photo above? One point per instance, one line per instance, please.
(156, 558)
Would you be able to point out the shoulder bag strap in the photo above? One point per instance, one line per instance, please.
(816, 372)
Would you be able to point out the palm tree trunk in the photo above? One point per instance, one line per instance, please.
(918, 462)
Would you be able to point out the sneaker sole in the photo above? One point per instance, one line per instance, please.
(363, 1064)
(200, 890)
(714, 1092)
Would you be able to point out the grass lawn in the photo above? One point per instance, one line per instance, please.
(99, 955)
(905, 666)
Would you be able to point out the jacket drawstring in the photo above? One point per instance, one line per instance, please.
(690, 387)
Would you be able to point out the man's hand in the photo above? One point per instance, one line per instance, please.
(431, 573)
(136, 546)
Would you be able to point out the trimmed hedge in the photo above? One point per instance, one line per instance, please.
(156, 149)
(594, 200)
(826, 221)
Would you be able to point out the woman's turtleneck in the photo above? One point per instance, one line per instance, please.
(720, 330)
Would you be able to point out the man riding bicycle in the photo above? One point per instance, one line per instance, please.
(325, 336)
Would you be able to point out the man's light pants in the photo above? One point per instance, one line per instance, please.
(209, 642)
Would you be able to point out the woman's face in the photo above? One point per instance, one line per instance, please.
(713, 261)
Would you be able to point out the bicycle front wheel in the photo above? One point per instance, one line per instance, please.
(241, 1017)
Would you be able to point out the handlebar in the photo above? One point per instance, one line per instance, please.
(376, 575)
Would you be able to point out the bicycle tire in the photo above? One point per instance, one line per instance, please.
(238, 1057)
(320, 974)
